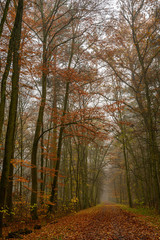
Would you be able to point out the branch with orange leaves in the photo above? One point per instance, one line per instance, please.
(65, 125)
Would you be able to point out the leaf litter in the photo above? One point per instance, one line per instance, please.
(103, 222)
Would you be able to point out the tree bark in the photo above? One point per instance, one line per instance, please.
(6, 73)
(4, 16)
(12, 112)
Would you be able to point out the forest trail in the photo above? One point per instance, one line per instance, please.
(103, 222)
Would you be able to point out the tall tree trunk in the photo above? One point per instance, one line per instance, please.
(36, 137)
(12, 112)
(6, 73)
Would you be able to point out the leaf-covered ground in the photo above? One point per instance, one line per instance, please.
(104, 222)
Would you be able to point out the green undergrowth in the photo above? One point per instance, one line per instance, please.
(144, 213)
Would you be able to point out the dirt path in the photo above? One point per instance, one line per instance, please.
(105, 222)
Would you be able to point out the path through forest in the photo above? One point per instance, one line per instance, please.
(103, 222)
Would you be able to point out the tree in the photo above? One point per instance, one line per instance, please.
(9, 143)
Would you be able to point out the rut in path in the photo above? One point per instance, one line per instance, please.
(105, 222)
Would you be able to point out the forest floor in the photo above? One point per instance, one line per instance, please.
(103, 222)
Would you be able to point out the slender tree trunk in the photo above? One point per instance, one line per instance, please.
(9, 201)
(6, 73)
(70, 170)
(9, 198)
(36, 137)
(78, 180)
(4, 16)
(83, 162)
(127, 175)
(42, 171)
(54, 120)
(21, 167)
(12, 112)
(55, 180)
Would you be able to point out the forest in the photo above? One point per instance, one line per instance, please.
(79, 105)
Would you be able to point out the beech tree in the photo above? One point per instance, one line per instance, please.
(10, 135)
(7, 66)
